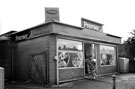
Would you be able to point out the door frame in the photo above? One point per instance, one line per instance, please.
(95, 52)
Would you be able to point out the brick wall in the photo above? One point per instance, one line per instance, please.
(52, 62)
(70, 74)
(22, 53)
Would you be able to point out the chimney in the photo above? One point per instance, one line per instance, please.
(51, 14)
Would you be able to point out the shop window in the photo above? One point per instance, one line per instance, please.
(70, 54)
(107, 55)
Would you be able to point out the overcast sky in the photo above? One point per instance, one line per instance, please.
(118, 16)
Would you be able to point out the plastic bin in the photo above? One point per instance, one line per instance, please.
(123, 65)
(1, 78)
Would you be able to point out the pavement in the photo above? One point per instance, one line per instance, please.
(123, 81)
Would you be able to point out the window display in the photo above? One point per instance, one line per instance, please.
(69, 54)
(107, 55)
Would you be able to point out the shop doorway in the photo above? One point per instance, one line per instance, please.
(90, 53)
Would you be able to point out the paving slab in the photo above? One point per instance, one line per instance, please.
(123, 81)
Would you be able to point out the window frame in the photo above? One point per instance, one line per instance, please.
(114, 54)
(70, 51)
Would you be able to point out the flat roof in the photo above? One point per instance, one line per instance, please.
(79, 28)
(49, 22)
(113, 35)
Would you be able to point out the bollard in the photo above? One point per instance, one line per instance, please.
(114, 81)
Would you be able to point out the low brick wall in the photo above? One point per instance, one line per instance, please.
(71, 74)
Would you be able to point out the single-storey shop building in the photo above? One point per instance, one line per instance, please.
(55, 52)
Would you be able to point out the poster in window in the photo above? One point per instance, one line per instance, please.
(70, 59)
(107, 55)
(69, 54)
(63, 59)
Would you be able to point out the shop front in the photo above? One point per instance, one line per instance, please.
(74, 45)
(54, 52)
(70, 59)
(72, 55)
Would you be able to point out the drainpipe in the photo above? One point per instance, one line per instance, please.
(12, 64)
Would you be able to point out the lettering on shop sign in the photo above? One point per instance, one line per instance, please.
(64, 31)
(91, 24)
(52, 11)
(22, 36)
(38, 32)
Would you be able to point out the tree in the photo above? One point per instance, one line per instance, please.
(128, 47)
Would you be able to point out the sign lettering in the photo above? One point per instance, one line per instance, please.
(39, 32)
(91, 25)
(22, 36)
(52, 11)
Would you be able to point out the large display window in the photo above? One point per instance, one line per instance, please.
(70, 54)
(107, 55)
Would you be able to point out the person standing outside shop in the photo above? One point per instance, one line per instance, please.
(91, 66)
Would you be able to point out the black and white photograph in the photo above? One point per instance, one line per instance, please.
(67, 44)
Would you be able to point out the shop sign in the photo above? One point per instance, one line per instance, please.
(51, 14)
(22, 36)
(91, 25)
(39, 32)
